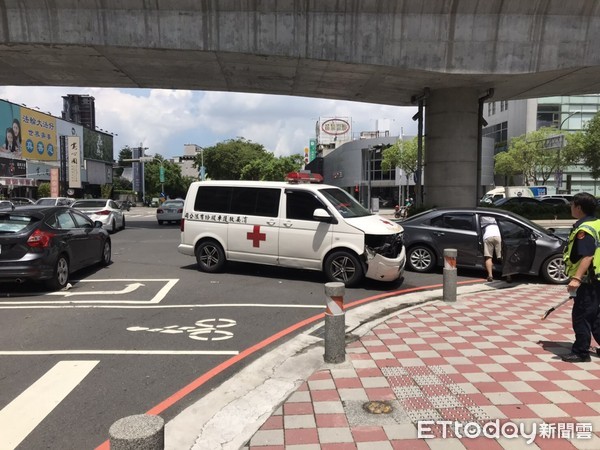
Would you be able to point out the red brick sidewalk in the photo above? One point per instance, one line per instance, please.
(486, 357)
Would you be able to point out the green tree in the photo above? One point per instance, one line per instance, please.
(590, 146)
(505, 164)
(43, 190)
(528, 156)
(402, 154)
(125, 153)
(271, 168)
(174, 185)
(227, 159)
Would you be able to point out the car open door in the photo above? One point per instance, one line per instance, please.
(518, 247)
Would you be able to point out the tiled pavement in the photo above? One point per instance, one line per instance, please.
(486, 359)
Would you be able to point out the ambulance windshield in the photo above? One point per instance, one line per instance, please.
(346, 205)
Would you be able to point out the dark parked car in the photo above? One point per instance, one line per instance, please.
(49, 243)
(517, 201)
(527, 248)
(554, 201)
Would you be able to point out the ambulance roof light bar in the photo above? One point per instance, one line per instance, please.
(303, 177)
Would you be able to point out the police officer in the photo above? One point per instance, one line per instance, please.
(581, 270)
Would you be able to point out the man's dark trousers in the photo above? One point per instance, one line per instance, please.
(584, 314)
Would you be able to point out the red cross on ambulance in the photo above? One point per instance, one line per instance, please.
(256, 236)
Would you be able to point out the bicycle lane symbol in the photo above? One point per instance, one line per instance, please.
(204, 330)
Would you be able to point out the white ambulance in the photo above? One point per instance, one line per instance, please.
(300, 225)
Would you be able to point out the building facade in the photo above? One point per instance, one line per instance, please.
(38, 147)
(513, 118)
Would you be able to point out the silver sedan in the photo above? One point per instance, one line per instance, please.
(170, 211)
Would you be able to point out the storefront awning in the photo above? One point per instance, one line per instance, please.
(16, 181)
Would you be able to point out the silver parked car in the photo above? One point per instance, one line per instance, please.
(527, 248)
(104, 210)
(170, 211)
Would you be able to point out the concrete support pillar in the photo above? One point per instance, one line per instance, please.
(451, 121)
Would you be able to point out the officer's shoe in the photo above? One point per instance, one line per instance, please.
(598, 351)
(575, 358)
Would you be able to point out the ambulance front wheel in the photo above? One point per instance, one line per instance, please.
(210, 256)
(343, 266)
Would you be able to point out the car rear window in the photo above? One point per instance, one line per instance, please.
(172, 204)
(89, 204)
(46, 201)
(10, 223)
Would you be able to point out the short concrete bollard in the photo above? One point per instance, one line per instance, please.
(450, 274)
(139, 432)
(335, 323)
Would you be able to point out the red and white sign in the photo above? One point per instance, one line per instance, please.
(335, 127)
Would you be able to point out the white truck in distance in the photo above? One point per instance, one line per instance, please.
(506, 191)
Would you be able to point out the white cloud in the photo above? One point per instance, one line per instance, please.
(165, 120)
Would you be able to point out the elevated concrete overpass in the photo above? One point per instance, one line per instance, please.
(379, 51)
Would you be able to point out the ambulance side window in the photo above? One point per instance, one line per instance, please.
(213, 199)
(255, 201)
(301, 205)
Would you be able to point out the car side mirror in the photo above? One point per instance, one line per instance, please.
(323, 216)
(97, 224)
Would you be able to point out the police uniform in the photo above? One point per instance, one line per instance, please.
(582, 242)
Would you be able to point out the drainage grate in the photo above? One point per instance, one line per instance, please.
(428, 393)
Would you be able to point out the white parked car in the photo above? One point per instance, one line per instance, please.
(6, 204)
(170, 211)
(104, 210)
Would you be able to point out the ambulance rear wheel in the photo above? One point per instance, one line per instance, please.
(210, 256)
(343, 266)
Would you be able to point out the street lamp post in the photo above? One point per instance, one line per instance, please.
(559, 172)
(567, 118)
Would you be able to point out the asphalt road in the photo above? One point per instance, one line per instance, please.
(126, 339)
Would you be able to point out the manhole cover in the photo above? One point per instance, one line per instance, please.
(378, 407)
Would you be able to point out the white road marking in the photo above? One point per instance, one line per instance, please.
(126, 290)
(212, 335)
(117, 352)
(24, 413)
(71, 304)
(204, 326)
(160, 295)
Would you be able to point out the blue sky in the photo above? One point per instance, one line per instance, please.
(164, 120)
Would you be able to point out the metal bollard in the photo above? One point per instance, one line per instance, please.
(335, 323)
(450, 274)
(141, 431)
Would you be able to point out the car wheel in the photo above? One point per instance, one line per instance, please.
(344, 267)
(421, 259)
(106, 253)
(123, 224)
(60, 275)
(160, 222)
(210, 257)
(113, 226)
(553, 270)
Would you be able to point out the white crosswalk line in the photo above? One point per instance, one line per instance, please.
(24, 413)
